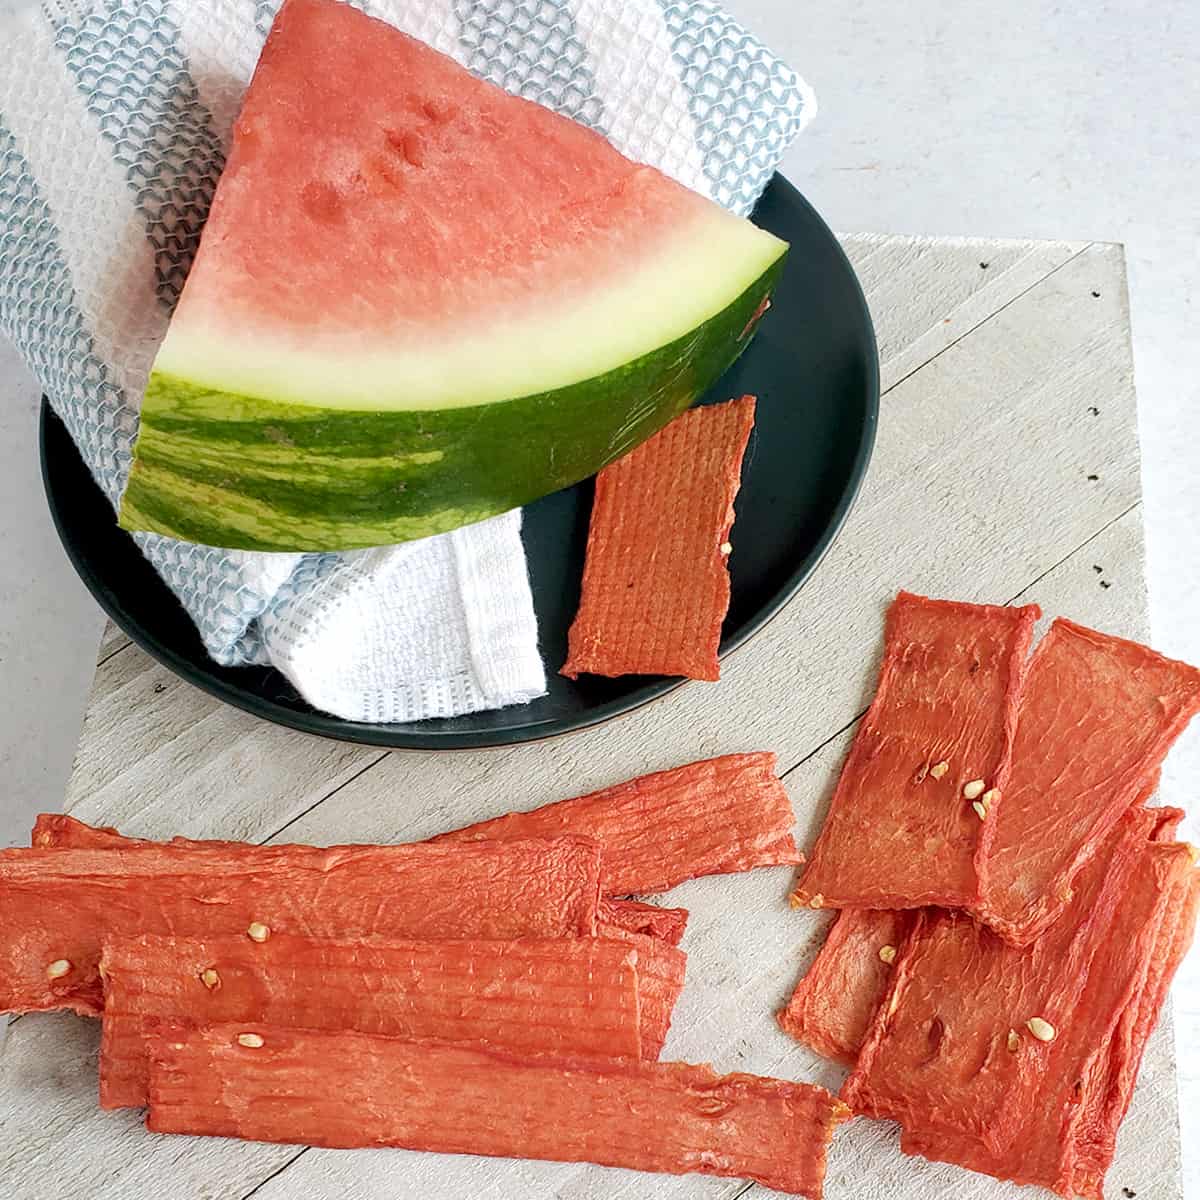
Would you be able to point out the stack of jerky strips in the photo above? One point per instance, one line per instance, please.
(1011, 911)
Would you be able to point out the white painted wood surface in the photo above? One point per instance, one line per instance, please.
(1006, 386)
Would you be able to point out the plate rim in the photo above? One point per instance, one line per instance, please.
(325, 725)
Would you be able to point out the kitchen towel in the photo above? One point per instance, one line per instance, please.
(114, 118)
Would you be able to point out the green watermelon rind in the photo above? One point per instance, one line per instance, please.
(246, 472)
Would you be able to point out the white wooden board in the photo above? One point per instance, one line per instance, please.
(1008, 384)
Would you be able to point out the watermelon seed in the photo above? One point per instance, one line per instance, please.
(990, 797)
(726, 547)
(887, 954)
(58, 968)
(1014, 1041)
(974, 789)
(939, 769)
(251, 1040)
(258, 932)
(980, 811)
(210, 978)
(1042, 1030)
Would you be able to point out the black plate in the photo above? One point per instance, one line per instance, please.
(813, 367)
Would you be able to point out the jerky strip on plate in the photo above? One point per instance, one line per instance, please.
(262, 1083)
(564, 996)
(834, 1004)
(935, 744)
(712, 817)
(982, 1051)
(1098, 715)
(656, 576)
(59, 904)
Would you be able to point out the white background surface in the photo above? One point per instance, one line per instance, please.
(1026, 118)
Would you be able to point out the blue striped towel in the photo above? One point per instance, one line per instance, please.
(114, 119)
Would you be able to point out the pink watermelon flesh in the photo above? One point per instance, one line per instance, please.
(420, 301)
(390, 234)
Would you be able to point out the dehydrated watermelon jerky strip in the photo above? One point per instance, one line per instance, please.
(937, 1057)
(348, 1090)
(59, 904)
(982, 1051)
(712, 817)
(930, 756)
(1097, 716)
(616, 916)
(1117, 978)
(63, 831)
(565, 996)
(660, 971)
(1065, 1142)
(1111, 1089)
(836, 1000)
(716, 816)
(656, 576)
(631, 916)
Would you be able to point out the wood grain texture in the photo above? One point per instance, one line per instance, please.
(979, 490)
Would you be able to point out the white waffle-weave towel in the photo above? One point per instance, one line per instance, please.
(114, 119)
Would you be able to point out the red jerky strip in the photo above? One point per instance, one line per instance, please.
(631, 916)
(716, 816)
(900, 831)
(1110, 1090)
(712, 817)
(62, 831)
(617, 916)
(1097, 716)
(353, 1090)
(660, 970)
(1087, 1114)
(59, 904)
(656, 579)
(563, 996)
(834, 1004)
(938, 1057)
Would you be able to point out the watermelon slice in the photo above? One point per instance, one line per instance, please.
(420, 301)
